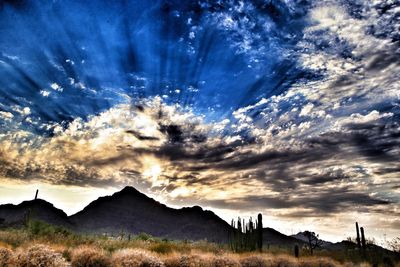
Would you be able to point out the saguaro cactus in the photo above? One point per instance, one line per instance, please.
(358, 236)
(364, 245)
(246, 236)
(296, 251)
(259, 232)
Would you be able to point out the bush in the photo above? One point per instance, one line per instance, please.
(162, 248)
(225, 261)
(318, 262)
(284, 261)
(253, 261)
(89, 257)
(37, 255)
(172, 260)
(144, 237)
(5, 256)
(13, 237)
(40, 228)
(135, 257)
(195, 260)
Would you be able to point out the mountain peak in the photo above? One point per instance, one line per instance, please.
(135, 212)
(129, 189)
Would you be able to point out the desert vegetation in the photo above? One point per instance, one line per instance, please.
(40, 244)
(246, 236)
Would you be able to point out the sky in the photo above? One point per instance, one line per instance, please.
(288, 108)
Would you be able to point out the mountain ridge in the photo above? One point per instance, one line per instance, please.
(16, 215)
(131, 211)
(124, 210)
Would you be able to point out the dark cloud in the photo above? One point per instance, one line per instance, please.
(315, 202)
(331, 176)
(173, 132)
(65, 175)
(142, 137)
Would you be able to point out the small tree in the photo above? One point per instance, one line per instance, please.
(313, 240)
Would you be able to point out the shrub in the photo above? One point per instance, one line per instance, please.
(192, 260)
(171, 260)
(195, 260)
(284, 261)
(40, 228)
(89, 257)
(144, 237)
(5, 256)
(163, 248)
(13, 237)
(225, 261)
(318, 262)
(253, 261)
(37, 255)
(137, 258)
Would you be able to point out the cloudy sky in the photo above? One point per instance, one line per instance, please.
(289, 108)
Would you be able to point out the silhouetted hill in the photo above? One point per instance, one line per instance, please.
(301, 236)
(130, 211)
(15, 215)
(275, 238)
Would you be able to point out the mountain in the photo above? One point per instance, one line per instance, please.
(301, 236)
(16, 215)
(130, 211)
(275, 238)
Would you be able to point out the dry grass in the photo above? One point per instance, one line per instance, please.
(86, 256)
(37, 255)
(57, 247)
(189, 260)
(136, 257)
(254, 261)
(225, 261)
(14, 238)
(89, 256)
(5, 256)
(317, 262)
(285, 261)
(268, 260)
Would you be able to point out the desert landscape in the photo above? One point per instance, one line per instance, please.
(199, 133)
(131, 229)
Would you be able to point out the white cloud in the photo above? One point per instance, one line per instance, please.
(44, 93)
(306, 110)
(56, 87)
(6, 115)
(26, 111)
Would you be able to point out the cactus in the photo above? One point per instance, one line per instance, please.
(246, 236)
(358, 236)
(259, 231)
(296, 251)
(27, 217)
(37, 192)
(364, 246)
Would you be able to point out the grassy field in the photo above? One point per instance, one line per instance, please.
(40, 244)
